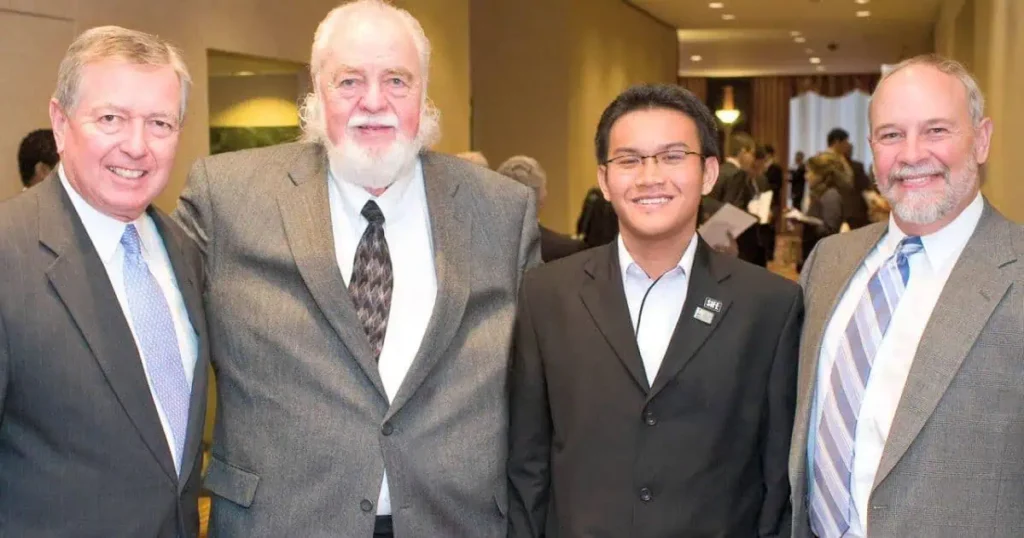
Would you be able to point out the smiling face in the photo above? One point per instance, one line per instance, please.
(926, 149)
(656, 202)
(117, 143)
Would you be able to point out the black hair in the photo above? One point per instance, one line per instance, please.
(37, 147)
(837, 135)
(654, 96)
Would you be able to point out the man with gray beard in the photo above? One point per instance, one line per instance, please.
(361, 295)
(910, 401)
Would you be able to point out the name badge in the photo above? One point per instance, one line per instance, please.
(713, 304)
(703, 315)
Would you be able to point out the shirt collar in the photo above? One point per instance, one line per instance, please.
(945, 245)
(734, 161)
(355, 197)
(628, 267)
(104, 230)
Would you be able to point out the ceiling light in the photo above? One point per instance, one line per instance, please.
(244, 73)
(794, 33)
(716, 5)
(815, 60)
(862, 1)
(864, 13)
(696, 58)
(728, 17)
(799, 39)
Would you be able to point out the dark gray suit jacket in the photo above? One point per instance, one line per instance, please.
(953, 464)
(304, 430)
(82, 451)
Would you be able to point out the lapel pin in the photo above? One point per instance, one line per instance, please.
(703, 315)
(713, 304)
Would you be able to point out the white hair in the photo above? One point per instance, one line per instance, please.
(975, 99)
(113, 42)
(311, 114)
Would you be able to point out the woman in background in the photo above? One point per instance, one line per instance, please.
(826, 177)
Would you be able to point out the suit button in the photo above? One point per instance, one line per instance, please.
(366, 505)
(646, 495)
(650, 419)
(387, 429)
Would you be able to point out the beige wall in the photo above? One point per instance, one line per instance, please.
(981, 34)
(34, 34)
(542, 73)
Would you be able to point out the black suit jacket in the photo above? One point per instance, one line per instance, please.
(82, 451)
(855, 207)
(595, 452)
(554, 245)
(736, 187)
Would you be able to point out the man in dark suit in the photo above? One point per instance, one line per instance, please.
(798, 181)
(737, 185)
(652, 384)
(103, 357)
(855, 205)
(528, 171)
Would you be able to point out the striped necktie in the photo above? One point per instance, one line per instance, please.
(831, 503)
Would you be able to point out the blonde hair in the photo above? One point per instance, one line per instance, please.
(975, 99)
(114, 42)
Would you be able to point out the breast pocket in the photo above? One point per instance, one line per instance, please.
(231, 483)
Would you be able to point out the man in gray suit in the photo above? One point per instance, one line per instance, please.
(910, 413)
(103, 355)
(361, 298)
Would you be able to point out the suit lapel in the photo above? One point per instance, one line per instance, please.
(831, 278)
(186, 278)
(80, 280)
(605, 299)
(973, 290)
(706, 276)
(451, 222)
(306, 213)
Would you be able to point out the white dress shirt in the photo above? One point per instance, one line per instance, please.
(929, 271)
(407, 231)
(105, 233)
(662, 308)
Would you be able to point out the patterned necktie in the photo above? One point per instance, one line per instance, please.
(158, 341)
(372, 281)
(831, 501)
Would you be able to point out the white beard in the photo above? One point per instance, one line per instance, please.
(924, 208)
(372, 170)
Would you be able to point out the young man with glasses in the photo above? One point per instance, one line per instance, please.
(652, 386)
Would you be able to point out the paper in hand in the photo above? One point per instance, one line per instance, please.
(729, 220)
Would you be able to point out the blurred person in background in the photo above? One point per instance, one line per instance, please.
(528, 171)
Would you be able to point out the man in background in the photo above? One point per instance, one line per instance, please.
(37, 157)
(855, 205)
(798, 181)
(737, 185)
(528, 171)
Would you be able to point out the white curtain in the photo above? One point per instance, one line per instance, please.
(812, 116)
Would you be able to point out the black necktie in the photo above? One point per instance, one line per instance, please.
(372, 280)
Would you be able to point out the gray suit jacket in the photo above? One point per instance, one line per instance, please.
(82, 451)
(304, 430)
(953, 464)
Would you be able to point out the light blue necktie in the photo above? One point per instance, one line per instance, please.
(831, 501)
(158, 341)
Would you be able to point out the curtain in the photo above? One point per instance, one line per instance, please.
(697, 85)
(812, 116)
(769, 123)
(833, 85)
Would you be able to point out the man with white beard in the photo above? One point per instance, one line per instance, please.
(361, 295)
(910, 401)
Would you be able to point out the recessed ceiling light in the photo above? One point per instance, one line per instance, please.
(820, 68)
(862, 2)
(244, 73)
(696, 58)
(864, 13)
(728, 17)
(794, 33)
(815, 60)
(800, 39)
(716, 5)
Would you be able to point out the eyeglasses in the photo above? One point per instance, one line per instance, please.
(668, 160)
